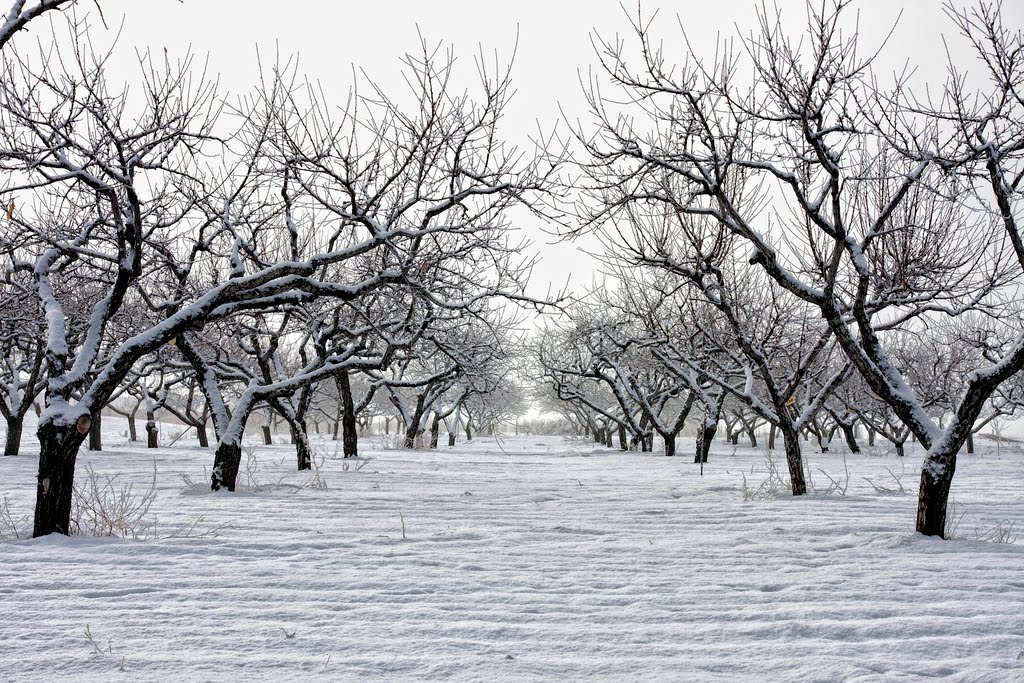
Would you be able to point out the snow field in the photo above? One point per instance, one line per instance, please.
(532, 558)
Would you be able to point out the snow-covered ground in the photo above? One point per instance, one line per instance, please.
(532, 558)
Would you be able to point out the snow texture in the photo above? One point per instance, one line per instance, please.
(533, 558)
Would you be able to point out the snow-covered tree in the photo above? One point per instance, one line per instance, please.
(870, 205)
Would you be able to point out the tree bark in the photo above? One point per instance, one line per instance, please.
(850, 434)
(414, 430)
(623, 441)
(794, 460)
(752, 435)
(152, 436)
(704, 438)
(57, 454)
(970, 443)
(303, 452)
(933, 496)
(133, 432)
(267, 440)
(670, 444)
(772, 430)
(204, 440)
(225, 466)
(349, 429)
(96, 431)
(435, 430)
(899, 448)
(451, 438)
(15, 427)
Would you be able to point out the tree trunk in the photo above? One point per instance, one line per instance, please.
(451, 438)
(623, 441)
(871, 436)
(734, 438)
(933, 496)
(899, 448)
(204, 440)
(96, 431)
(435, 430)
(15, 426)
(970, 443)
(133, 432)
(704, 438)
(58, 450)
(608, 436)
(152, 435)
(752, 435)
(772, 430)
(225, 466)
(349, 429)
(670, 444)
(303, 452)
(850, 434)
(794, 460)
(469, 431)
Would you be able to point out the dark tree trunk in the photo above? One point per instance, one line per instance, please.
(133, 432)
(15, 426)
(899, 448)
(670, 444)
(871, 436)
(850, 434)
(152, 436)
(204, 440)
(469, 431)
(752, 435)
(608, 436)
(225, 466)
(267, 440)
(387, 426)
(451, 438)
(349, 429)
(794, 460)
(970, 443)
(705, 436)
(303, 453)
(933, 496)
(58, 450)
(96, 431)
(623, 441)
(772, 431)
(435, 430)
(734, 438)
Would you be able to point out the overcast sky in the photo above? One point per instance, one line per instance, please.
(554, 46)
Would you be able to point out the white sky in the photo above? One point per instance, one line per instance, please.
(554, 46)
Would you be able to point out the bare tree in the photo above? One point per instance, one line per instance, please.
(307, 208)
(884, 209)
